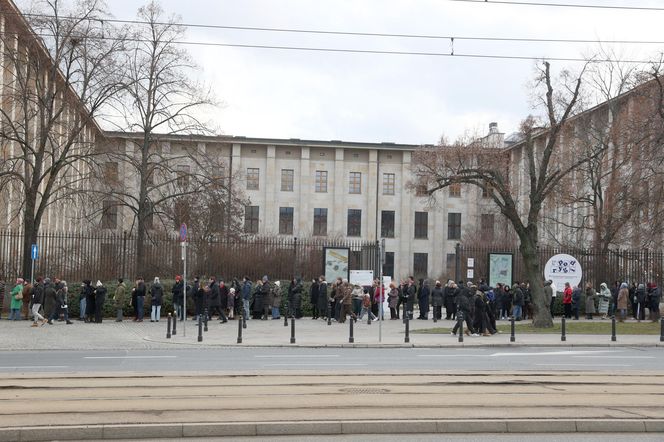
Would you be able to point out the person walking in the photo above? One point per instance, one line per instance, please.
(100, 300)
(366, 306)
(567, 301)
(119, 300)
(50, 310)
(36, 303)
(61, 296)
(463, 308)
(156, 299)
(16, 301)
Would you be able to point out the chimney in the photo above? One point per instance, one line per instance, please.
(493, 128)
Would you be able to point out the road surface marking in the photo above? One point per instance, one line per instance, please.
(312, 365)
(616, 357)
(129, 357)
(296, 356)
(36, 366)
(453, 356)
(557, 353)
(584, 365)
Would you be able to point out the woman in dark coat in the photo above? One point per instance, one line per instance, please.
(100, 299)
(323, 299)
(437, 295)
(257, 303)
(297, 298)
(313, 299)
(89, 294)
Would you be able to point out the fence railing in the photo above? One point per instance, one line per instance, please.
(598, 266)
(108, 255)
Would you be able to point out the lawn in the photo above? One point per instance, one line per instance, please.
(600, 327)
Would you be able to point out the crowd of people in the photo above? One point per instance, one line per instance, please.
(478, 305)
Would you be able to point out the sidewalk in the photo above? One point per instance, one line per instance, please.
(110, 335)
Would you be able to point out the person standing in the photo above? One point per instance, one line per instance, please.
(576, 301)
(622, 301)
(313, 299)
(450, 306)
(16, 301)
(100, 300)
(655, 298)
(346, 302)
(83, 301)
(411, 292)
(257, 302)
(276, 300)
(246, 296)
(156, 299)
(119, 300)
(178, 298)
(423, 299)
(36, 303)
(266, 288)
(437, 296)
(223, 300)
(604, 300)
(567, 301)
(323, 298)
(517, 301)
(61, 298)
(392, 301)
(90, 306)
(140, 291)
(641, 303)
(50, 310)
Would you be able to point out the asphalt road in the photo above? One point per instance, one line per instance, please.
(335, 359)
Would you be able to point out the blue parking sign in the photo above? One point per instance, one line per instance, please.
(35, 252)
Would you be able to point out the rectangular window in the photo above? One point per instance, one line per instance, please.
(487, 191)
(487, 226)
(453, 226)
(421, 225)
(253, 176)
(285, 220)
(251, 219)
(354, 222)
(183, 172)
(355, 183)
(320, 222)
(420, 265)
(287, 180)
(450, 262)
(321, 181)
(387, 224)
(455, 190)
(109, 216)
(111, 173)
(421, 190)
(388, 184)
(388, 265)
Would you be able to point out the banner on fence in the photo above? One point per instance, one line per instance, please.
(501, 268)
(361, 277)
(563, 268)
(335, 263)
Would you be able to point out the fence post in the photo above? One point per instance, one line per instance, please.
(175, 321)
(205, 320)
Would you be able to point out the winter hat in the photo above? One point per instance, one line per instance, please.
(232, 289)
(99, 284)
(156, 280)
(20, 281)
(178, 277)
(277, 283)
(265, 278)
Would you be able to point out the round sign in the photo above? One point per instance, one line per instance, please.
(183, 232)
(561, 269)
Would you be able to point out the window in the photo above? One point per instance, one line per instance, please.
(487, 191)
(450, 263)
(321, 181)
(253, 175)
(111, 173)
(388, 184)
(285, 220)
(455, 190)
(320, 222)
(421, 225)
(388, 265)
(421, 190)
(251, 219)
(487, 223)
(453, 226)
(387, 224)
(287, 180)
(183, 172)
(355, 183)
(420, 265)
(217, 221)
(354, 222)
(109, 215)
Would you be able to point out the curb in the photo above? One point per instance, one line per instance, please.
(281, 428)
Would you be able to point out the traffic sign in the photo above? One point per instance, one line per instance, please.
(34, 253)
(183, 232)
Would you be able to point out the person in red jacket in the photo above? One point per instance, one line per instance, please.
(567, 301)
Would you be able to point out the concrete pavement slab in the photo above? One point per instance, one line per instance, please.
(215, 429)
(165, 430)
(541, 426)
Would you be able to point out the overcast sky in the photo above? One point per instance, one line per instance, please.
(398, 98)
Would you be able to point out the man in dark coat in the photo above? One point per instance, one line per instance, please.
(423, 299)
(411, 292)
(214, 299)
(178, 297)
(139, 291)
(257, 301)
(323, 298)
(437, 297)
(36, 301)
(462, 301)
(313, 299)
(89, 292)
(223, 300)
(50, 300)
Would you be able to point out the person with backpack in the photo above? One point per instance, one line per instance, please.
(366, 306)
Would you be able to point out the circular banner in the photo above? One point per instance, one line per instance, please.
(561, 269)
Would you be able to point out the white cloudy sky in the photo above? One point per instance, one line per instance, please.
(398, 98)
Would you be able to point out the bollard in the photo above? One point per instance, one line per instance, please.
(200, 328)
(175, 321)
(244, 322)
(292, 331)
(512, 338)
(661, 329)
(369, 313)
(563, 337)
(406, 338)
(168, 327)
(613, 329)
(205, 320)
(351, 338)
(239, 331)
(460, 325)
(329, 313)
(404, 312)
(286, 318)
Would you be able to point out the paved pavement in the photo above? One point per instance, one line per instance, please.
(308, 333)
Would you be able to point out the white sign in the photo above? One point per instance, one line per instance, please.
(361, 277)
(470, 274)
(563, 268)
(471, 262)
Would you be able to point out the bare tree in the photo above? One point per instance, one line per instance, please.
(59, 73)
(538, 158)
(161, 99)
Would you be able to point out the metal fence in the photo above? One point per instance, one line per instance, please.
(108, 255)
(598, 266)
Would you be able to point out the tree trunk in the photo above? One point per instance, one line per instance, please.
(30, 230)
(528, 249)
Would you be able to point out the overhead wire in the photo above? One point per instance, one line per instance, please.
(564, 5)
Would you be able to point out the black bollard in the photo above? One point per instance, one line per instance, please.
(351, 338)
(205, 320)
(175, 321)
(200, 328)
(292, 331)
(406, 338)
(239, 331)
(329, 313)
(460, 325)
(404, 312)
(512, 337)
(563, 337)
(244, 322)
(286, 318)
(168, 327)
(661, 329)
(613, 329)
(369, 313)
